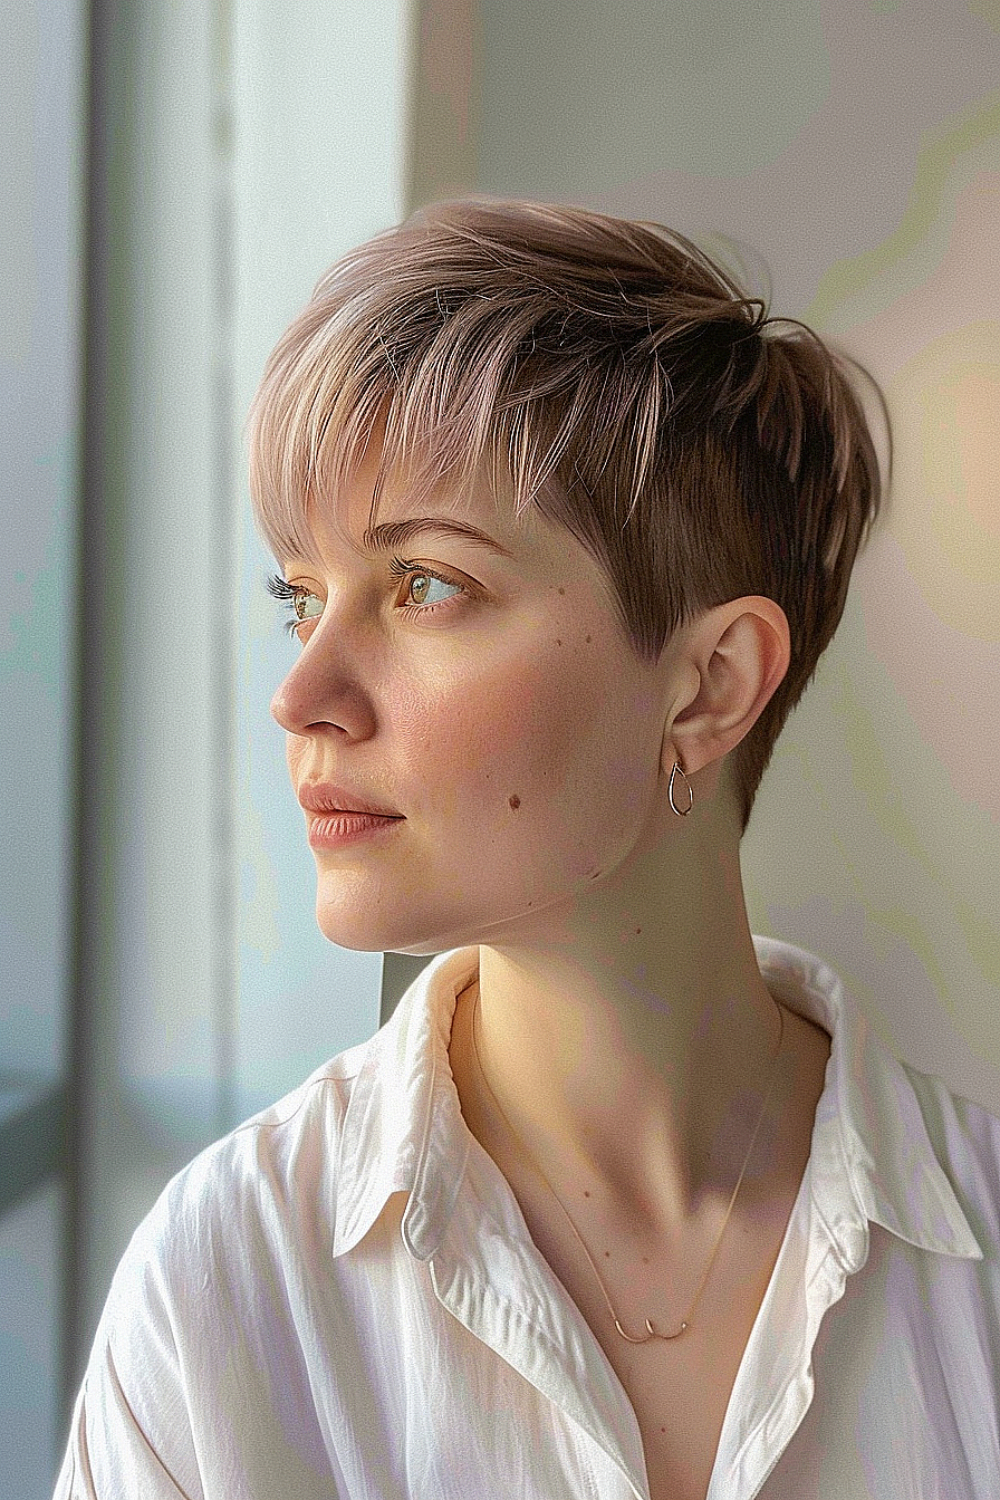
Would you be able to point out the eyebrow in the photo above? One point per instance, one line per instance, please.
(394, 533)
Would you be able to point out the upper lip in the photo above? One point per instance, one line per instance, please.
(323, 796)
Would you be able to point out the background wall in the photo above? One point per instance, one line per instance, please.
(161, 952)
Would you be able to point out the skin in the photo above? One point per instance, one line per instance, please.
(624, 1026)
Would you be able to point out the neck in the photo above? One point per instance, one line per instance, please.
(630, 1055)
(666, 1134)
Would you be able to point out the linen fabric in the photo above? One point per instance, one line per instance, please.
(340, 1300)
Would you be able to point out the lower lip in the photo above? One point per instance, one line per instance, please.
(334, 830)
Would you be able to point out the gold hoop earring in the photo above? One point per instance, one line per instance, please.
(681, 812)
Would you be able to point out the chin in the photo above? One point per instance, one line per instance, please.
(360, 936)
(364, 931)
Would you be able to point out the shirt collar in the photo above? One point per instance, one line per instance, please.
(403, 1129)
(870, 1135)
(871, 1159)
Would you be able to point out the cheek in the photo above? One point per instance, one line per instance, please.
(295, 747)
(542, 749)
(474, 741)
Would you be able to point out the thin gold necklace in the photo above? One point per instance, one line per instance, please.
(686, 1323)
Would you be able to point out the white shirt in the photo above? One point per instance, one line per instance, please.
(341, 1299)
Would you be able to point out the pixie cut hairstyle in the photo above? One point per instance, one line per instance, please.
(607, 372)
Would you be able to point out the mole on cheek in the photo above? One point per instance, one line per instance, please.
(514, 801)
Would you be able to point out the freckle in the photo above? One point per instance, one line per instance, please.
(637, 931)
(608, 1254)
(588, 640)
(514, 801)
(558, 642)
(645, 1260)
(562, 591)
(585, 1193)
(663, 1429)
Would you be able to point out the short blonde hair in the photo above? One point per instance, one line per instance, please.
(608, 372)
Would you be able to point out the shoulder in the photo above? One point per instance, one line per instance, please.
(208, 1297)
(231, 1228)
(966, 1140)
(236, 1219)
(251, 1182)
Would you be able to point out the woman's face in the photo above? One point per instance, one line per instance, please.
(503, 714)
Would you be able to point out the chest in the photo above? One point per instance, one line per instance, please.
(679, 1389)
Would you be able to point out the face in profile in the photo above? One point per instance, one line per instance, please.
(487, 694)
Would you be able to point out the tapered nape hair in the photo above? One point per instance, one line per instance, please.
(607, 372)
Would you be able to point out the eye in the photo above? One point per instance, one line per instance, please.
(425, 579)
(295, 596)
(300, 604)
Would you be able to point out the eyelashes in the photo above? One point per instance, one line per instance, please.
(290, 596)
(293, 595)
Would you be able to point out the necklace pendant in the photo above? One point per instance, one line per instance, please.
(650, 1333)
(643, 1340)
(669, 1336)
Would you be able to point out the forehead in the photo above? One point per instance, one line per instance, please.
(353, 522)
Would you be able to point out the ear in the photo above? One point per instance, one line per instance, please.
(731, 659)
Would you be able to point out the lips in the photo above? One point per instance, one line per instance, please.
(324, 797)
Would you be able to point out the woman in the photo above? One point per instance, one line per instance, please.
(623, 1200)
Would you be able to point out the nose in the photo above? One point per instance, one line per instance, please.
(321, 690)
